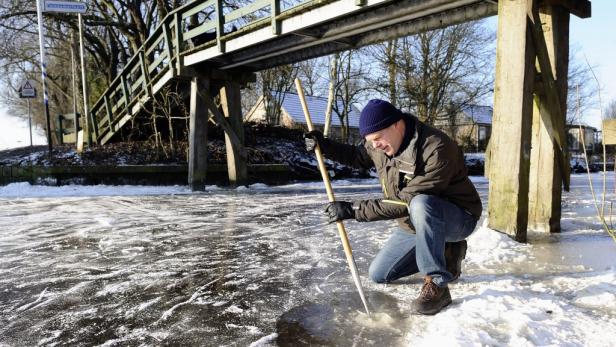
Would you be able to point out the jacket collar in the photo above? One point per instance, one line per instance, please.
(408, 155)
(408, 133)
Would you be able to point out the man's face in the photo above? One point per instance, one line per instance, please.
(389, 139)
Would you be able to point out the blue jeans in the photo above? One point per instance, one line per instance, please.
(436, 221)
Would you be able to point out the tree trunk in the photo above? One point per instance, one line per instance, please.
(392, 47)
(333, 74)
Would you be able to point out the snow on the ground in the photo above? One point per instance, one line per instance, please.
(108, 265)
(496, 304)
(14, 132)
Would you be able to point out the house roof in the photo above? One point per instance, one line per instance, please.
(478, 114)
(316, 106)
(583, 125)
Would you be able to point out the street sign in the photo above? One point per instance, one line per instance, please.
(27, 90)
(65, 6)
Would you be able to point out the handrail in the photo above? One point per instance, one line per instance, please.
(198, 7)
(246, 10)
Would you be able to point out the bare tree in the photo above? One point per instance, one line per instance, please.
(581, 92)
(610, 110)
(350, 86)
(436, 73)
(331, 92)
(275, 83)
(385, 56)
(309, 72)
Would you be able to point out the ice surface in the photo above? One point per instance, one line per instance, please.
(260, 266)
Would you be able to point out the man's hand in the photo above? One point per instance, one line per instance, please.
(313, 138)
(339, 210)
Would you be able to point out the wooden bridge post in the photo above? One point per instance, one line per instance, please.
(220, 26)
(275, 12)
(513, 107)
(545, 175)
(231, 102)
(178, 43)
(197, 142)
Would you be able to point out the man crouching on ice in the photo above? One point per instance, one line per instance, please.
(426, 188)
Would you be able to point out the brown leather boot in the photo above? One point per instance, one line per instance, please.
(432, 298)
(455, 252)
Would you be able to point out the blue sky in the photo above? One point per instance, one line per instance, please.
(595, 38)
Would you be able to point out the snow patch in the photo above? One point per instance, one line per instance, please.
(233, 309)
(487, 247)
(267, 340)
(53, 335)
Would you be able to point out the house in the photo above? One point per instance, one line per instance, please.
(471, 127)
(292, 115)
(578, 132)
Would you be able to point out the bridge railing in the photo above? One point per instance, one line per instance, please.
(160, 57)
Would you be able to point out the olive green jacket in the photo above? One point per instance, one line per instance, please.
(432, 163)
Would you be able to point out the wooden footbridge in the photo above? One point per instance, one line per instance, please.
(193, 45)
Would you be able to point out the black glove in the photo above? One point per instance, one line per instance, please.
(313, 138)
(339, 210)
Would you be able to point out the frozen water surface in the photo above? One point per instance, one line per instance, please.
(260, 266)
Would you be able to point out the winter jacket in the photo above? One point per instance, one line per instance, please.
(432, 163)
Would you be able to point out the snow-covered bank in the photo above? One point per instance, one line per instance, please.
(108, 265)
(27, 190)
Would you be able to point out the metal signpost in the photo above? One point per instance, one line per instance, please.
(39, 7)
(86, 111)
(63, 7)
(76, 119)
(27, 91)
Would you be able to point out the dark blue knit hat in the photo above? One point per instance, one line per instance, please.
(377, 115)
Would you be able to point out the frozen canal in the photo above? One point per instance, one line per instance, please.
(162, 266)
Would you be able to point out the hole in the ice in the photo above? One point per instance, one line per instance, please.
(339, 319)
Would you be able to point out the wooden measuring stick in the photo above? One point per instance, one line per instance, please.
(330, 195)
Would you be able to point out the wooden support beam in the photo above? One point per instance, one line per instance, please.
(553, 117)
(231, 104)
(242, 77)
(545, 173)
(580, 8)
(220, 120)
(513, 102)
(197, 141)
